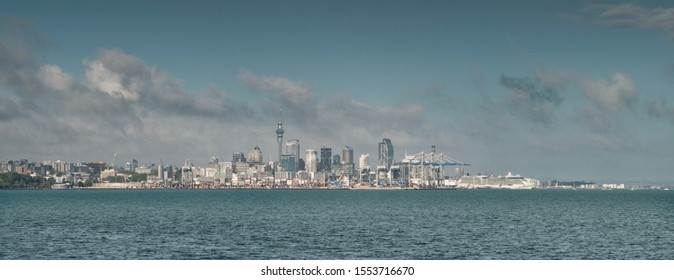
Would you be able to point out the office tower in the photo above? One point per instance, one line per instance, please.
(347, 159)
(311, 161)
(364, 162)
(238, 157)
(255, 156)
(385, 154)
(347, 155)
(336, 160)
(160, 172)
(213, 168)
(293, 148)
(288, 163)
(326, 158)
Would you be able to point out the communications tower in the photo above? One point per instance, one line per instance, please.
(279, 139)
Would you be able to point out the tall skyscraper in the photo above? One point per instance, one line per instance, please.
(364, 162)
(336, 160)
(385, 153)
(311, 161)
(293, 148)
(347, 155)
(279, 139)
(255, 156)
(288, 163)
(326, 159)
(347, 159)
(160, 172)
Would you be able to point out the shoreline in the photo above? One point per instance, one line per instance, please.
(332, 189)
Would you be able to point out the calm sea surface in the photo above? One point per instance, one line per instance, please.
(242, 224)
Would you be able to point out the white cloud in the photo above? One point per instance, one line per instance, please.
(617, 93)
(118, 74)
(54, 77)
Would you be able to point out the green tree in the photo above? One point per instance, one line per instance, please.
(13, 180)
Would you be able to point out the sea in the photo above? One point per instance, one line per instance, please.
(336, 225)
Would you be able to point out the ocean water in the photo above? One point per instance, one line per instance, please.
(308, 224)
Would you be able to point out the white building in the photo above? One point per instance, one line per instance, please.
(364, 162)
(311, 164)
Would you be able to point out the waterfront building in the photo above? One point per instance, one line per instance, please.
(187, 172)
(255, 156)
(240, 167)
(385, 154)
(226, 169)
(311, 161)
(213, 168)
(325, 160)
(108, 173)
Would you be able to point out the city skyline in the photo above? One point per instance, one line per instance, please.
(571, 90)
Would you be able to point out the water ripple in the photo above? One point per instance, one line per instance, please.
(147, 224)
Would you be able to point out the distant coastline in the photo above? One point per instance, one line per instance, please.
(280, 188)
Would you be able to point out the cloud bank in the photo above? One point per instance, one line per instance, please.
(122, 104)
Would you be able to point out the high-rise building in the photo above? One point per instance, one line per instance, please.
(255, 156)
(336, 160)
(187, 172)
(385, 154)
(347, 161)
(288, 163)
(213, 169)
(364, 162)
(326, 159)
(311, 161)
(293, 148)
(160, 172)
(238, 157)
(347, 155)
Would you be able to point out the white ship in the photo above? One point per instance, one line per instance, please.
(509, 181)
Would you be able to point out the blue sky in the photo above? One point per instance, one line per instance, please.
(565, 89)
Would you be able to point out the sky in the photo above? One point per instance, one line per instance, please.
(572, 90)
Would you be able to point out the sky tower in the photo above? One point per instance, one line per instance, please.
(279, 139)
